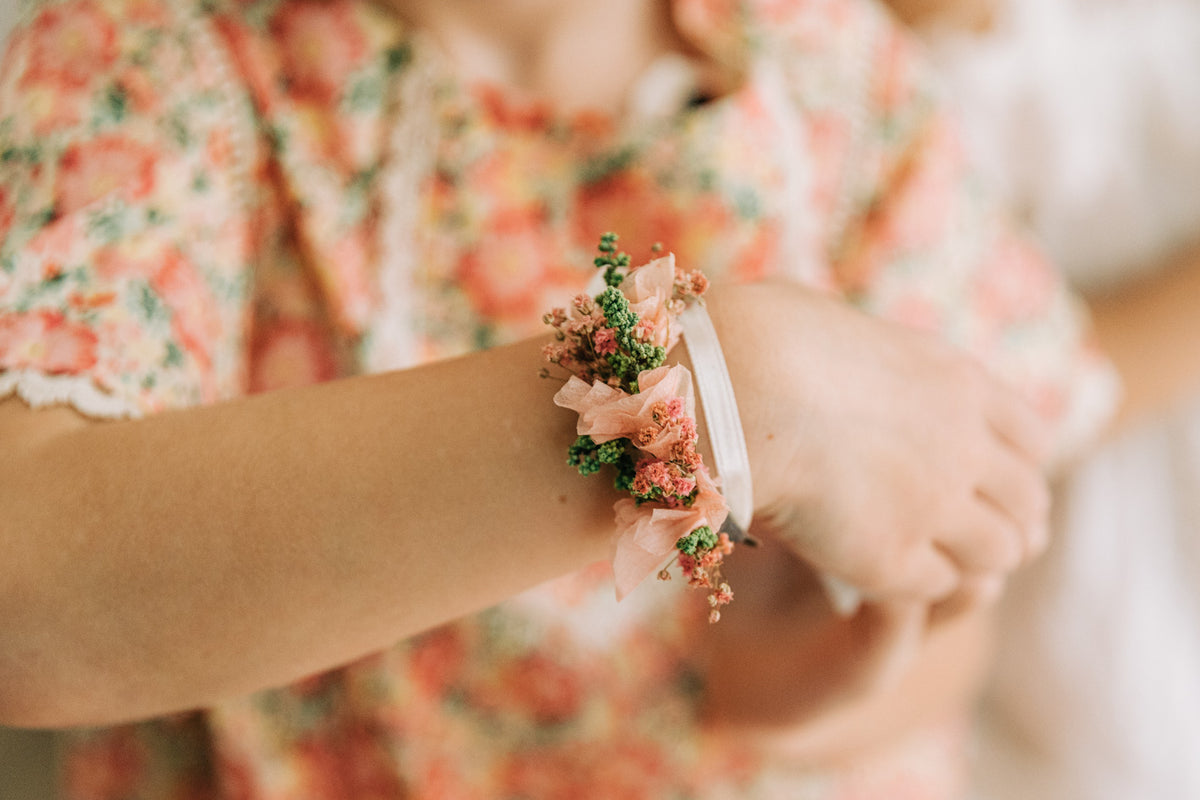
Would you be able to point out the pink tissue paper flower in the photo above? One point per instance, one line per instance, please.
(646, 536)
(649, 289)
(607, 413)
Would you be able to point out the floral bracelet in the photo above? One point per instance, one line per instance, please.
(638, 415)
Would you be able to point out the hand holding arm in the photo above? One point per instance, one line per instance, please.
(164, 563)
(883, 456)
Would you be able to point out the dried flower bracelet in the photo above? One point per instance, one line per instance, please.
(638, 415)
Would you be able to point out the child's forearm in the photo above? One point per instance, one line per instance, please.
(1151, 331)
(165, 562)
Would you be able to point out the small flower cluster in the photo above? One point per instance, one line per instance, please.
(638, 416)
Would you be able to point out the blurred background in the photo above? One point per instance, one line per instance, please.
(25, 756)
(1080, 112)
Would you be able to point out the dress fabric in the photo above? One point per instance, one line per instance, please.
(1086, 114)
(198, 201)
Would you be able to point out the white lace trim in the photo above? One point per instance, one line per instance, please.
(410, 157)
(237, 105)
(41, 390)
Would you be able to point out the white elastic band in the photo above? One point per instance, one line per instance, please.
(715, 390)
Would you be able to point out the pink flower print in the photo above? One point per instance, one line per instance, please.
(607, 413)
(69, 45)
(436, 660)
(896, 60)
(348, 762)
(140, 90)
(509, 271)
(90, 301)
(516, 116)
(46, 340)
(321, 45)
(94, 169)
(146, 12)
(8, 212)
(110, 766)
(219, 148)
(1014, 285)
(126, 259)
(59, 240)
(625, 767)
(543, 688)
(633, 204)
(350, 281)
(194, 319)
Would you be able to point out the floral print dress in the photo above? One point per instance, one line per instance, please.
(200, 200)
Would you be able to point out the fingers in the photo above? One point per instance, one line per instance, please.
(991, 539)
(1003, 522)
(1016, 422)
(1016, 490)
(975, 592)
(924, 573)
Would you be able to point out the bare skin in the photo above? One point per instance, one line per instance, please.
(1151, 331)
(768, 677)
(315, 525)
(970, 15)
(811, 686)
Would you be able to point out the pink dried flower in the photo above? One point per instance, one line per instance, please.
(657, 474)
(684, 454)
(554, 353)
(691, 284)
(684, 486)
(580, 326)
(605, 340)
(646, 436)
(583, 305)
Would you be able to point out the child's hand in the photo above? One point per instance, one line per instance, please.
(882, 456)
